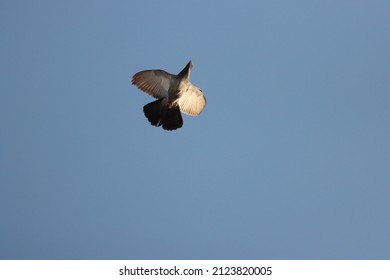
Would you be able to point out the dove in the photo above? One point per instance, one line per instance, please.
(175, 94)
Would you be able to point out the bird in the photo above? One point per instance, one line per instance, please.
(175, 94)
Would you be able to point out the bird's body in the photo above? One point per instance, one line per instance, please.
(175, 94)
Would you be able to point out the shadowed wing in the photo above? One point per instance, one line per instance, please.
(154, 82)
(191, 100)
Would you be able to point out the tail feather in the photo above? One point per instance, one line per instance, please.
(172, 119)
(159, 113)
(154, 112)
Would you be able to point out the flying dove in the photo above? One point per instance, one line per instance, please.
(174, 94)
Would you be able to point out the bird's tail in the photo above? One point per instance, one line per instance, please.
(160, 113)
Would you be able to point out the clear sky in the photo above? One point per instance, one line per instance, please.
(289, 160)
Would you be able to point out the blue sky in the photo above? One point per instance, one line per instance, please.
(289, 160)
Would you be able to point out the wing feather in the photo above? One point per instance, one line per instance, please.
(191, 101)
(154, 82)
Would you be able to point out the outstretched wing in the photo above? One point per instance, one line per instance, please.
(154, 82)
(191, 100)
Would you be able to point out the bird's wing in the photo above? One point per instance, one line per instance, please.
(191, 100)
(154, 82)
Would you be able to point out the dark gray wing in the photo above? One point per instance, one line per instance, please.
(154, 82)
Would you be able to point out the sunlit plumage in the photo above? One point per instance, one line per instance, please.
(175, 94)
